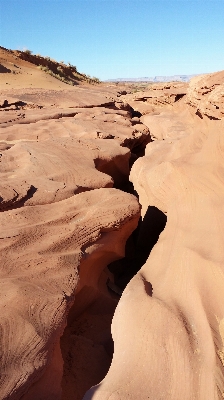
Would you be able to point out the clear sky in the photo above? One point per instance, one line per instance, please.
(119, 38)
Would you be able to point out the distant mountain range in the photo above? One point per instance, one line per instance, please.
(179, 78)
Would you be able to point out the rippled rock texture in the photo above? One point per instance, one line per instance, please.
(65, 154)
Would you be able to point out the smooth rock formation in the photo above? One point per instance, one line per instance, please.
(170, 124)
(30, 172)
(168, 326)
(61, 224)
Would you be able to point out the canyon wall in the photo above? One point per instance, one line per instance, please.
(168, 325)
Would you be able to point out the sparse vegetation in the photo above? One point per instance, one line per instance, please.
(45, 69)
(66, 73)
(96, 80)
(60, 76)
(28, 52)
(72, 66)
(50, 59)
(59, 69)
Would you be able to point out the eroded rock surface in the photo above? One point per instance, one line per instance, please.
(206, 95)
(156, 95)
(30, 172)
(65, 231)
(63, 149)
(47, 255)
(168, 326)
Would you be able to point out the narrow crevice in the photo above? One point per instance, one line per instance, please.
(135, 113)
(87, 345)
(199, 114)
(55, 116)
(212, 117)
(12, 205)
(138, 247)
(179, 96)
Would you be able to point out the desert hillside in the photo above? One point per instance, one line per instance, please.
(26, 70)
(112, 262)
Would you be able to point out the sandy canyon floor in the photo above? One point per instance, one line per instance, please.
(112, 237)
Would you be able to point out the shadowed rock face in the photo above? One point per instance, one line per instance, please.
(47, 257)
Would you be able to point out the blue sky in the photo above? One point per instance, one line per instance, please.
(119, 38)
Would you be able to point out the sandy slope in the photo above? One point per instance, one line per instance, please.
(17, 73)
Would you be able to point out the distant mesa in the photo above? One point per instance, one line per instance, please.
(173, 78)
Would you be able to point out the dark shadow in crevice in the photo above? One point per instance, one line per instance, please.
(179, 96)
(199, 114)
(135, 113)
(87, 346)
(16, 103)
(138, 247)
(4, 70)
(212, 117)
(148, 288)
(13, 204)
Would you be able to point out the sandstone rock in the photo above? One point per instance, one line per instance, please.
(169, 322)
(49, 253)
(63, 228)
(46, 172)
(206, 95)
(156, 96)
(61, 224)
(86, 123)
(170, 124)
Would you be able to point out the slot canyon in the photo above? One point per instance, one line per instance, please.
(112, 231)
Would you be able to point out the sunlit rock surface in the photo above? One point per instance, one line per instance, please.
(72, 237)
(168, 326)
